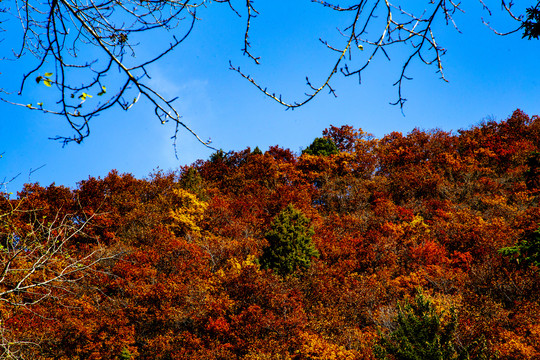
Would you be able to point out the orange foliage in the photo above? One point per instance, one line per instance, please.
(428, 210)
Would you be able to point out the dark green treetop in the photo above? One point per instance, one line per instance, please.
(321, 147)
(532, 174)
(192, 181)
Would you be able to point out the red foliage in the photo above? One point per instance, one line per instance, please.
(429, 209)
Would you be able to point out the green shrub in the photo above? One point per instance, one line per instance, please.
(125, 355)
(527, 251)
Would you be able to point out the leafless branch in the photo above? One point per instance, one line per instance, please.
(376, 26)
(39, 260)
(60, 34)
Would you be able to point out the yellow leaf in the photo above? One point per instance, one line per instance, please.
(83, 96)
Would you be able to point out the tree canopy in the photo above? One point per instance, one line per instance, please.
(321, 146)
(531, 24)
(408, 229)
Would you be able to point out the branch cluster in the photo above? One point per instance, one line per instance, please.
(40, 262)
(85, 50)
(374, 27)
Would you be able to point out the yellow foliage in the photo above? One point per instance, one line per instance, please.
(516, 347)
(445, 304)
(315, 347)
(417, 227)
(234, 265)
(498, 206)
(187, 211)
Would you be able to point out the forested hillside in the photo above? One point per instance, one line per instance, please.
(417, 246)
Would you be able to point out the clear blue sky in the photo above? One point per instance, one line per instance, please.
(489, 76)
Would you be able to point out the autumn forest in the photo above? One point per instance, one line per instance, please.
(416, 246)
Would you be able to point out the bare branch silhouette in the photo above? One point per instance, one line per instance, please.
(376, 26)
(85, 51)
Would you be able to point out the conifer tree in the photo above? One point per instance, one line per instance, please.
(420, 334)
(289, 243)
(321, 147)
(527, 251)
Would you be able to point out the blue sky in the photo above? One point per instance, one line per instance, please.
(489, 76)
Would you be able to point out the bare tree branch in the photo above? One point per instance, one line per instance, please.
(39, 261)
(60, 34)
(367, 33)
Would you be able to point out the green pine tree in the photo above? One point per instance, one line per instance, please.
(219, 156)
(289, 243)
(420, 334)
(321, 147)
(192, 181)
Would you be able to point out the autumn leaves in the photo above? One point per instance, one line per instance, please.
(341, 253)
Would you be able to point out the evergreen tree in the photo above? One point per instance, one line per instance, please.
(192, 181)
(289, 243)
(420, 334)
(321, 147)
(532, 174)
(125, 355)
(218, 156)
(527, 251)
